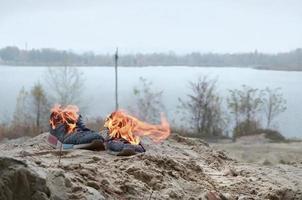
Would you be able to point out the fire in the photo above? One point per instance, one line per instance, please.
(68, 116)
(122, 125)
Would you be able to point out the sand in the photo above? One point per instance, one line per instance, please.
(178, 168)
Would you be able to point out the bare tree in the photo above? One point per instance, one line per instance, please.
(234, 105)
(22, 123)
(246, 101)
(31, 112)
(39, 104)
(250, 102)
(273, 103)
(22, 115)
(245, 104)
(66, 85)
(203, 108)
(148, 102)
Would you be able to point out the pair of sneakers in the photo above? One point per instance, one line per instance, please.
(84, 138)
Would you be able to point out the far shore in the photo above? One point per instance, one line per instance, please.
(293, 69)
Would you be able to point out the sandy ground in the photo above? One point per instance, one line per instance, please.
(179, 168)
(264, 153)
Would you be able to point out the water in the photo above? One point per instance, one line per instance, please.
(172, 80)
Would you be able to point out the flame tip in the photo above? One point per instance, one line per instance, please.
(67, 115)
(123, 125)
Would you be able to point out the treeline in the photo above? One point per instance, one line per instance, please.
(61, 85)
(51, 57)
(248, 111)
(202, 113)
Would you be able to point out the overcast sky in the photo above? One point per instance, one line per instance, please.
(153, 25)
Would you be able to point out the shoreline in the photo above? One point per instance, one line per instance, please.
(190, 66)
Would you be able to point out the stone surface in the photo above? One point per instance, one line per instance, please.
(19, 182)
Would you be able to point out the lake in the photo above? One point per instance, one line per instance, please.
(99, 87)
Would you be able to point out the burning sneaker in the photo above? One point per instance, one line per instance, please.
(124, 132)
(120, 146)
(67, 131)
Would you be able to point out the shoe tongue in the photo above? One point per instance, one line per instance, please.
(80, 124)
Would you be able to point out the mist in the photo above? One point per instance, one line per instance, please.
(224, 26)
(150, 99)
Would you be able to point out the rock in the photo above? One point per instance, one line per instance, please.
(19, 182)
(93, 184)
(57, 184)
(38, 162)
(39, 196)
(212, 195)
(94, 158)
(93, 194)
(245, 197)
(24, 153)
(282, 193)
(228, 171)
(68, 182)
(76, 189)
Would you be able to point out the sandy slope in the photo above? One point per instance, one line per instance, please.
(179, 168)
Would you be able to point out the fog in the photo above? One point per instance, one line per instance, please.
(150, 99)
(152, 26)
(181, 33)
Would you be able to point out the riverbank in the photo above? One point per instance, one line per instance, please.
(178, 168)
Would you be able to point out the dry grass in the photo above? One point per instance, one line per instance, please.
(12, 131)
(267, 153)
(95, 124)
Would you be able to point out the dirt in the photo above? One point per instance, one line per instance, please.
(265, 153)
(178, 168)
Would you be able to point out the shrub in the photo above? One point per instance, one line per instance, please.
(246, 128)
(253, 128)
(202, 109)
(273, 135)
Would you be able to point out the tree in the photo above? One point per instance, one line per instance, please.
(250, 102)
(203, 108)
(273, 103)
(22, 115)
(66, 85)
(247, 101)
(234, 105)
(148, 102)
(39, 105)
(10, 54)
(22, 123)
(31, 112)
(245, 104)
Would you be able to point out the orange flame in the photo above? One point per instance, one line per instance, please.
(122, 125)
(67, 116)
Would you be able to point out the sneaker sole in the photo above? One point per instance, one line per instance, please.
(94, 145)
(55, 143)
(124, 152)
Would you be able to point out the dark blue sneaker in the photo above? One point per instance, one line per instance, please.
(81, 138)
(80, 124)
(120, 146)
